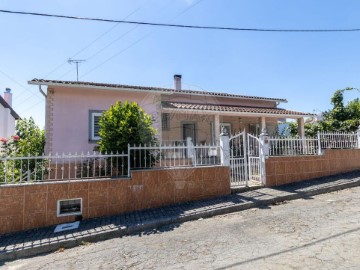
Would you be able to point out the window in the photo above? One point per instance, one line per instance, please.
(165, 121)
(94, 127)
(254, 129)
(69, 207)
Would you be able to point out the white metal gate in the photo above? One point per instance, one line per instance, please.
(254, 159)
(245, 160)
(238, 160)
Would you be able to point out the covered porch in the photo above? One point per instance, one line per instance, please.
(203, 123)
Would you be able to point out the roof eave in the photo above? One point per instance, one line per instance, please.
(94, 87)
(168, 92)
(238, 113)
(7, 106)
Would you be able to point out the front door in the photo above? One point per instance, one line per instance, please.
(189, 131)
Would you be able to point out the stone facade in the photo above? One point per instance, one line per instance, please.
(35, 205)
(285, 170)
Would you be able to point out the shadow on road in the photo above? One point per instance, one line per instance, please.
(289, 250)
(260, 198)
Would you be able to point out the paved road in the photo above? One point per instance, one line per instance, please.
(322, 232)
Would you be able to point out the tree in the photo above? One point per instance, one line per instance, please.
(340, 118)
(29, 140)
(311, 128)
(123, 124)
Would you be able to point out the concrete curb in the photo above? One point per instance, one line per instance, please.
(119, 232)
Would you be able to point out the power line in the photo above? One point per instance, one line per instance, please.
(118, 53)
(32, 106)
(61, 65)
(21, 85)
(140, 39)
(90, 44)
(122, 51)
(178, 25)
(121, 36)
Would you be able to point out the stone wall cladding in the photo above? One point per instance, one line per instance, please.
(33, 206)
(286, 170)
(49, 119)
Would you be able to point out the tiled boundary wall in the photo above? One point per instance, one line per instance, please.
(35, 205)
(285, 170)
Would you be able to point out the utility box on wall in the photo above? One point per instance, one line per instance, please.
(69, 207)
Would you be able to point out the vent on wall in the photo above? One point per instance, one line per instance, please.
(69, 207)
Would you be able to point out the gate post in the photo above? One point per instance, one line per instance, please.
(246, 156)
(224, 148)
(190, 150)
(358, 137)
(319, 143)
(264, 153)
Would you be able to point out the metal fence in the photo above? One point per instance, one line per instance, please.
(17, 169)
(338, 140)
(288, 146)
(294, 146)
(172, 155)
(62, 167)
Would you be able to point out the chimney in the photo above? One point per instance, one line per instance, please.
(177, 82)
(8, 96)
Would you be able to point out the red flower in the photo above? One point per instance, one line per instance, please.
(4, 140)
(16, 137)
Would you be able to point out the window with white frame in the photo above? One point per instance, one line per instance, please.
(94, 127)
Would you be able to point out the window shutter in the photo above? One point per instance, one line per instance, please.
(96, 126)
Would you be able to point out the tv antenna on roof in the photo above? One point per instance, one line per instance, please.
(77, 62)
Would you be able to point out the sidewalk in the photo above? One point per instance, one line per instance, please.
(37, 241)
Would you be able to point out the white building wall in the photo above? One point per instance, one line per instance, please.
(7, 123)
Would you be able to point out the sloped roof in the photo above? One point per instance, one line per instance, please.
(6, 105)
(146, 88)
(231, 108)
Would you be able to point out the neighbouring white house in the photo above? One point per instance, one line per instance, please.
(73, 110)
(8, 116)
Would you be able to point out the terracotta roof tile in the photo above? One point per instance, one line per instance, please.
(227, 108)
(148, 88)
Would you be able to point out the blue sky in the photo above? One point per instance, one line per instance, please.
(305, 68)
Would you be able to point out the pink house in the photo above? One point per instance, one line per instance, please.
(73, 109)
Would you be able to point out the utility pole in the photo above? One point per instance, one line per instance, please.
(77, 62)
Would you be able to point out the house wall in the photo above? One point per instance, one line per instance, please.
(175, 131)
(67, 115)
(7, 123)
(203, 125)
(238, 124)
(285, 170)
(67, 110)
(32, 206)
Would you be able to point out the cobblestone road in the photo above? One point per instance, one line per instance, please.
(321, 232)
